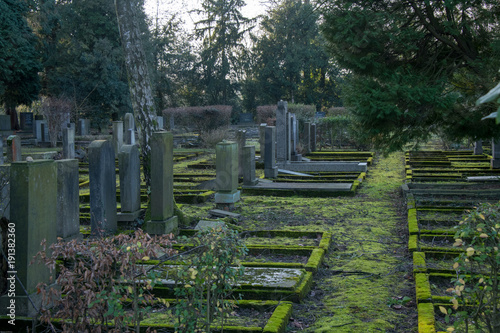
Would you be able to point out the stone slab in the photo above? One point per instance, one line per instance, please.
(204, 225)
(223, 213)
(227, 198)
(325, 166)
(303, 186)
(289, 172)
(484, 179)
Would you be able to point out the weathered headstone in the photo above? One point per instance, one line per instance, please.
(241, 137)
(159, 119)
(117, 136)
(68, 200)
(262, 140)
(495, 154)
(281, 132)
(4, 122)
(130, 183)
(84, 127)
(270, 168)
(26, 121)
(128, 128)
(226, 162)
(33, 193)
(288, 137)
(163, 220)
(102, 183)
(68, 140)
(248, 164)
(307, 137)
(313, 137)
(14, 148)
(478, 147)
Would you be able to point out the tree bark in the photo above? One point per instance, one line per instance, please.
(138, 77)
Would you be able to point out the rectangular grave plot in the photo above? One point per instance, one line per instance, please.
(264, 238)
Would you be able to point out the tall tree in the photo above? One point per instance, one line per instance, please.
(418, 66)
(19, 60)
(222, 31)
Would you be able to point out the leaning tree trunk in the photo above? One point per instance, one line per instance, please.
(138, 77)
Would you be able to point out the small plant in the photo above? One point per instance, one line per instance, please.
(211, 138)
(99, 280)
(477, 285)
(206, 281)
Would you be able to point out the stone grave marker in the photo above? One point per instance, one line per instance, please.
(130, 183)
(270, 168)
(241, 136)
(163, 220)
(307, 137)
(84, 127)
(68, 140)
(226, 163)
(26, 121)
(281, 132)
(33, 192)
(248, 161)
(4, 122)
(495, 153)
(262, 140)
(128, 128)
(117, 136)
(102, 183)
(478, 147)
(313, 137)
(68, 200)
(14, 148)
(159, 120)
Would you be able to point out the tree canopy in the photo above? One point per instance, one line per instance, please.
(417, 66)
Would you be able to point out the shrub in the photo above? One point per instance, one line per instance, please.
(265, 112)
(212, 137)
(97, 278)
(477, 284)
(201, 118)
(57, 111)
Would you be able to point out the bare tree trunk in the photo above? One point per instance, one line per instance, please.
(138, 77)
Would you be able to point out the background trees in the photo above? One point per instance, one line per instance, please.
(418, 66)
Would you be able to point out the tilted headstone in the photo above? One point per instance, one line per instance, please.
(262, 140)
(117, 136)
(478, 147)
(68, 140)
(307, 137)
(241, 138)
(130, 183)
(84, 127)
(248, 161)
(313, 137)
(68, 200)
(226, 162)
(163, 220)
(14, 148)
(281, 132)
(128, 128)
(102, 183)
(270, 168)
(33, 193)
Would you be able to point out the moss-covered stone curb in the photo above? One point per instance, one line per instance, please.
(422, 288)
(426, 320)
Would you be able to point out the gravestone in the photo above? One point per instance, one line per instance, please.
(83, 127)
(1, 150)
(159, 119)
(68, 200)
(262, 140)
(281, 132)
(117, 136)
(162, 220)
(14, 149)
(128, 128)
(294, 139)
(270, 168)
(33, 192)
(42, 130)
(248, 164)
(495, 154)
(307, 137)
(313, 137)
(478, 147)
(102, 183)
(26, 121)
(68, 140)
(226, 162)
(241, 136)
(4, 122)
(130, 183)
(288, 142)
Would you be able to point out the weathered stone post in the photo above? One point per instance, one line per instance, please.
(313, 137)
(68, 199)
(117, 136)
(84, 127)
(68, 151)
(102, 182)
(226, 162)
(495, 153)
(262, 140)
(478, 147)
(307, 137)
(163, 220)
(33, 193)
(281, 132)
(248, 161)
(130, 183)
(14, 148)
(270, 168)
(241, 137)
(128, 128)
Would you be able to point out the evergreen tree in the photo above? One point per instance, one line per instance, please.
(19, 60)
(418, 66)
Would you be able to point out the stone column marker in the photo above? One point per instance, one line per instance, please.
(307, 137)
(478, 147)
(68, 199)
(117, 136)
(313, 137)
(248, 161)
(262, 140)
(241, 137)
(270, 168)
(130, 183)
(68, 151)
(281, 132)
(162, 220)
(128, 128)
(226, 162)
(102, 182)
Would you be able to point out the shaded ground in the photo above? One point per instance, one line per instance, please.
(368, 271)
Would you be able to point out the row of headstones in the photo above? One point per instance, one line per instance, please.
(495, 152)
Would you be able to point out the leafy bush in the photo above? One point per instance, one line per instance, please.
(201, 118)
(206, 281)
(96, 280)
(477, 285)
